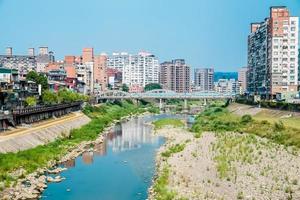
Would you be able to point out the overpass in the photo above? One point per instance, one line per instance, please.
(161, 94)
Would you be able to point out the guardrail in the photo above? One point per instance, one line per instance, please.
(40, 109)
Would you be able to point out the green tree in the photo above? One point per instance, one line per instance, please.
(152, 86)
(49, 97)
(38, 79)
(30, 101)
(125, 88)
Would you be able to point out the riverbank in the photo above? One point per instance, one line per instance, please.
(42, 133)
(30, 166)
(227, 157)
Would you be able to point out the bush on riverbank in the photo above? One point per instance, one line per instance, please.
(32, 159)
(168, 122)
(218, 119)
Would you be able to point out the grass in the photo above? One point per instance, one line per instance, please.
(231, 147)
(293, 122)
(219, 119)
(160, 187)
(173, 149)
(32, 159)
(158, 124)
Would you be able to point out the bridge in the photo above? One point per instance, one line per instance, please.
(162, 94)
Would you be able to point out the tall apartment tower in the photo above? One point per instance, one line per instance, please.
(9, 51)
(140, 69)
(100, 75)
(87, 55)
(242, 78)
(118, 61)
(204, 79)
(43, 50)
(273, 54)
(175, 75)
(31, 52)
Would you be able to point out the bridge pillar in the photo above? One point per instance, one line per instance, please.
(160, 104)
(185, 104)
(205, 102)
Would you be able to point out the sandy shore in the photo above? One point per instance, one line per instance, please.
(228, 166)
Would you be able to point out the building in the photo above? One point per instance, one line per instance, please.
(87, 55)
(175, 75)
(273, 55)
(27, 63)
(84, 75)
(242, 78)
(204, 79)
(118, 61)
(100, 76)
(227, 86)
(22, 63)
(114, 77)
(141, 70)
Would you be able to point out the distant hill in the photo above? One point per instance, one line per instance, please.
(225, 75)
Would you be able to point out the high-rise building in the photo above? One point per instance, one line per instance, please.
(87, 55)
(141, 70)
(43, 50)
(273, 54)
(31, 52)
(242, 78)
(175, 75)
(118, 61)
(9, 51)
(204, 79)
(100, 76)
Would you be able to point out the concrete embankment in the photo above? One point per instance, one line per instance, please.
(48, 131)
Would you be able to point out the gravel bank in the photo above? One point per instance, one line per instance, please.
(229, 166)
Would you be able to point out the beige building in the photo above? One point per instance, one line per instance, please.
(242, 78)
(175, 75)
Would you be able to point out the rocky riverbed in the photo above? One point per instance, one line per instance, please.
(227, 166)
(32, 185)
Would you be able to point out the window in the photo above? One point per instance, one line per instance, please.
(293, 28)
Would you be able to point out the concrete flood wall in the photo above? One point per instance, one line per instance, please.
(41, 135)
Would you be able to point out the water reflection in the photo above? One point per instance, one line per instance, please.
(126, 136)
(130, 135)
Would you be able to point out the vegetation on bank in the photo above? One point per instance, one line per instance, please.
(62, 96)
(32, 159)
(158, 124)
(219, 119)
(173, 149)
(281, 105)
(160, 187)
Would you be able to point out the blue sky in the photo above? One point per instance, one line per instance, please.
(207, 33)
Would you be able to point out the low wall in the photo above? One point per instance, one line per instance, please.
(42, 134)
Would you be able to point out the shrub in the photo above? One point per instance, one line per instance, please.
(246, 119)
(30, 101)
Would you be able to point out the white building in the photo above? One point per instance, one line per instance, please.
(227, 86)
(137, 70)
(84, 74)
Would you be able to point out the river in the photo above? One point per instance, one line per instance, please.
(121, 168)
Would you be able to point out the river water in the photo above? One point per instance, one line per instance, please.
(121, 168)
